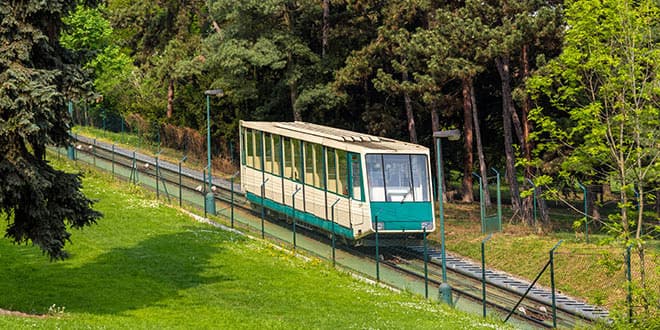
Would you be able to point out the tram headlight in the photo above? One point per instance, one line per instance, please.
(428, 225)
(380, 225)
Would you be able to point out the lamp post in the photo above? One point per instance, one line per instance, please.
(445, 288)
(210, 199)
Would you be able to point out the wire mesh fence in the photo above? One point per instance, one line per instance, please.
(154, 137)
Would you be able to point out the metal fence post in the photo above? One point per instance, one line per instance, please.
(180, 190)
(263, 211)
(113, 160)
(552, 284)
(629, 280)
(499, 201)
(157, 190)
(293, 215)
(231, 203)
(377, 252)
(94, 152)
(483, 273)
(203, 192)
(586, 217)
(334, 263)
(426, 266)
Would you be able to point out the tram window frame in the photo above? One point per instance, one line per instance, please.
(356, 163)
(277, 154)
(268, 153)
(249, 147)
(342, 172)
(242, 145)
(288, 157)
(319, 175)
(309, 163)
(331, 169)
(258, 149)
(297, 151)
(375, 177)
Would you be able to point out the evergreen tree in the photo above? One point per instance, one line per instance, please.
(37, 79)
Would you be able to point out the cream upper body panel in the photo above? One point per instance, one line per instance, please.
(336, 138)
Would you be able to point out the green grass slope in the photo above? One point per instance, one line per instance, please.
(146, 265)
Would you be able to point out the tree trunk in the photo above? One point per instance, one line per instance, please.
(326, 27)
(528, 202)
(170, 98)
(410, 115)
(468, 158)
(502, 63)
(483, 170)
(293, 84)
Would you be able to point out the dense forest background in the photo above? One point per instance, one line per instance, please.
(551, 92)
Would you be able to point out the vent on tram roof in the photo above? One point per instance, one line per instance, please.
(328, 132)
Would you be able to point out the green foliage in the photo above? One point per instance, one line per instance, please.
(604, 93)
(37, 201)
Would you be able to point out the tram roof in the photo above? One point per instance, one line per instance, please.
(334, 137)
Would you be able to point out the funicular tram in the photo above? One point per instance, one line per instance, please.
(312, 172)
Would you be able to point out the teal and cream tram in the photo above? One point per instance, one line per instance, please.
(320, 174)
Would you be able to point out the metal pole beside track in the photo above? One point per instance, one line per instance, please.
(426, 267)
(629, 284)
(552, 284)
(231, 203)
(113, 160)
(263, 211)
(377, 253)
(334, 263)
(483, 273)
(586, 217)
(293, 214)
(180, 195)
(157, 188)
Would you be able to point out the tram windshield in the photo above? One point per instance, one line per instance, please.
(398, 178)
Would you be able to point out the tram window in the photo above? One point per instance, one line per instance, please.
(398, 180)
(309, 163)
(420, 178)
(375, 178)
(258, 145)
(356, 177)
(277, 154)
(342, 169)
(243, 138)
(297, 160)
(288, 158)
(332, 169)
(249, 147)
(318, 167)
(268, 151)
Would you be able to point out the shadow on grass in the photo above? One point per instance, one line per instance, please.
(157, 269)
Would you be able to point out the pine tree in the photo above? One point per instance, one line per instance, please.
(37, 78)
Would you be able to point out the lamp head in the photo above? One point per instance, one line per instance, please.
(451, 135)
(214, 92)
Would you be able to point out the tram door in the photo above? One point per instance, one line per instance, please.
(356, 200)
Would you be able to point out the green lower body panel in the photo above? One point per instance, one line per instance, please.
(407, 216)
(302, 216)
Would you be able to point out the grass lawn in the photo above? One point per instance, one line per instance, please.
(146, 265)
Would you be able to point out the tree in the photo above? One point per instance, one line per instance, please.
(89, 34)
(605, 119)
(37, 78)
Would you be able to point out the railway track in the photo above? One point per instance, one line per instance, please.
(503, 290)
